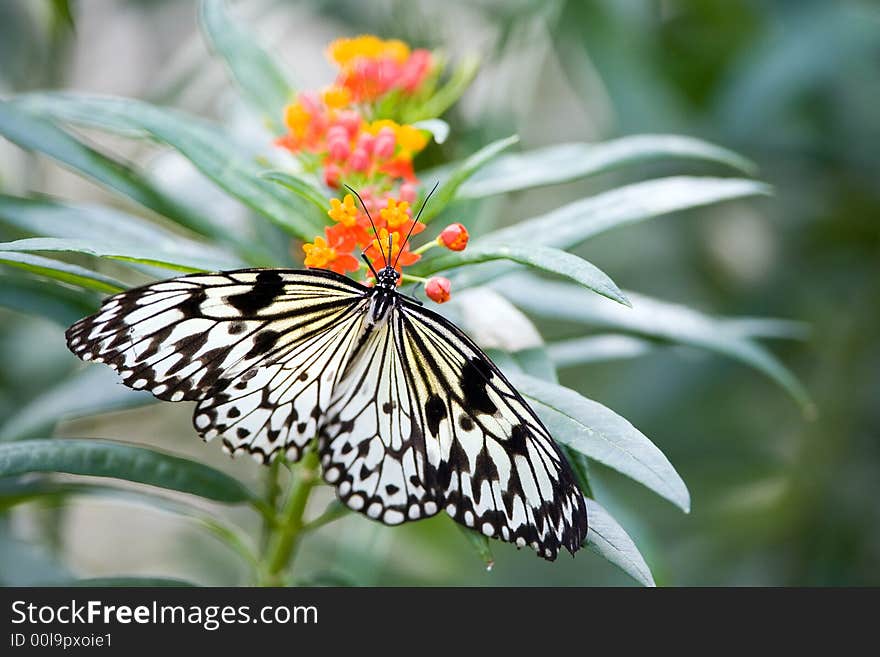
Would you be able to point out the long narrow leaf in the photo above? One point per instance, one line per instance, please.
(650, 318)
(543, 258)
(578, 221)
(206, 145)
(602, 435)
(263, 85)
(447, 191)
(61, 304)
(60, 271)
(103, 458)
(127, 581)
(608, 539)
(571, 161)
(112, 227)
(300, 187)
(39, 135)
(89, 391)
(145, 255)
(597, 348)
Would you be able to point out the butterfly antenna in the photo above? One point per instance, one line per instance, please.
(419, 214)
(375, 232)
(369, 264)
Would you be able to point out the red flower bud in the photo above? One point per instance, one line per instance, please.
(338, 149)
(337, 133)
(385, 142)
(359, 160)
(331, 175)
(408, 193)
(438, 289)
(350, 120)
(365, 142)
(454, 237)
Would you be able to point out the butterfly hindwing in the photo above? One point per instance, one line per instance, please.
(218, 338)
(371, 445)
(278, 402)
(425, 421)
(500, 471)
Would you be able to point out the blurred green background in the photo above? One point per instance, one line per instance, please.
(792, 85)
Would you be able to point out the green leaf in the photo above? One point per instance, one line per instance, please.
(89, 391)
(566, 162)
(613, 346)
(112, 227)
(767, 327)
(103, 458)
(446, 96)
(60, 271)
(597, 432)
(146, 255)
(536, 362)
(60, 303)
(576, 222)
(127, 581)
(35, 134)
(263, 85)
(28, 564)
(206, 145)
(650, 318)
(597, 348)
(449, 188)
(300, 187)
(554, 261)
(608, 539)
(480, 544)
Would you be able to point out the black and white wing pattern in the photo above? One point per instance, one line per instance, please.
(260, 350)
(423, 421)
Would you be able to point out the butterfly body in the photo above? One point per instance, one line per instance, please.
(409, 417)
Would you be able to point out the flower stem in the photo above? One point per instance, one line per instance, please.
(282, 544)
(424, 247)
(409, 278)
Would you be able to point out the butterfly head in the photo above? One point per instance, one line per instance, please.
(387, 278)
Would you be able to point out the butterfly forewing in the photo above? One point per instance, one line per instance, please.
(252, 346)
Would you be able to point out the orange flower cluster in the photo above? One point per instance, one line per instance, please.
(352, 229)
(329, 129)
(370, 68)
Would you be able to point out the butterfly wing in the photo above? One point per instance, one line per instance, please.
(259, 350)
(371, 444)
(425, 421)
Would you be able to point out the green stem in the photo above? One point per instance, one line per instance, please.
(284, 541)
(273, 490)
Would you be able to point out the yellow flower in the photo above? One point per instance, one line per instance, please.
(318, 254)
(344, 212)
(376, 126)
(336, 97)
(411, 140)
(297, 118)
(396, 50)
(344, 51)
(395, 215)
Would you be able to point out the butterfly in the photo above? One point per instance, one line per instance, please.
(408, 415)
